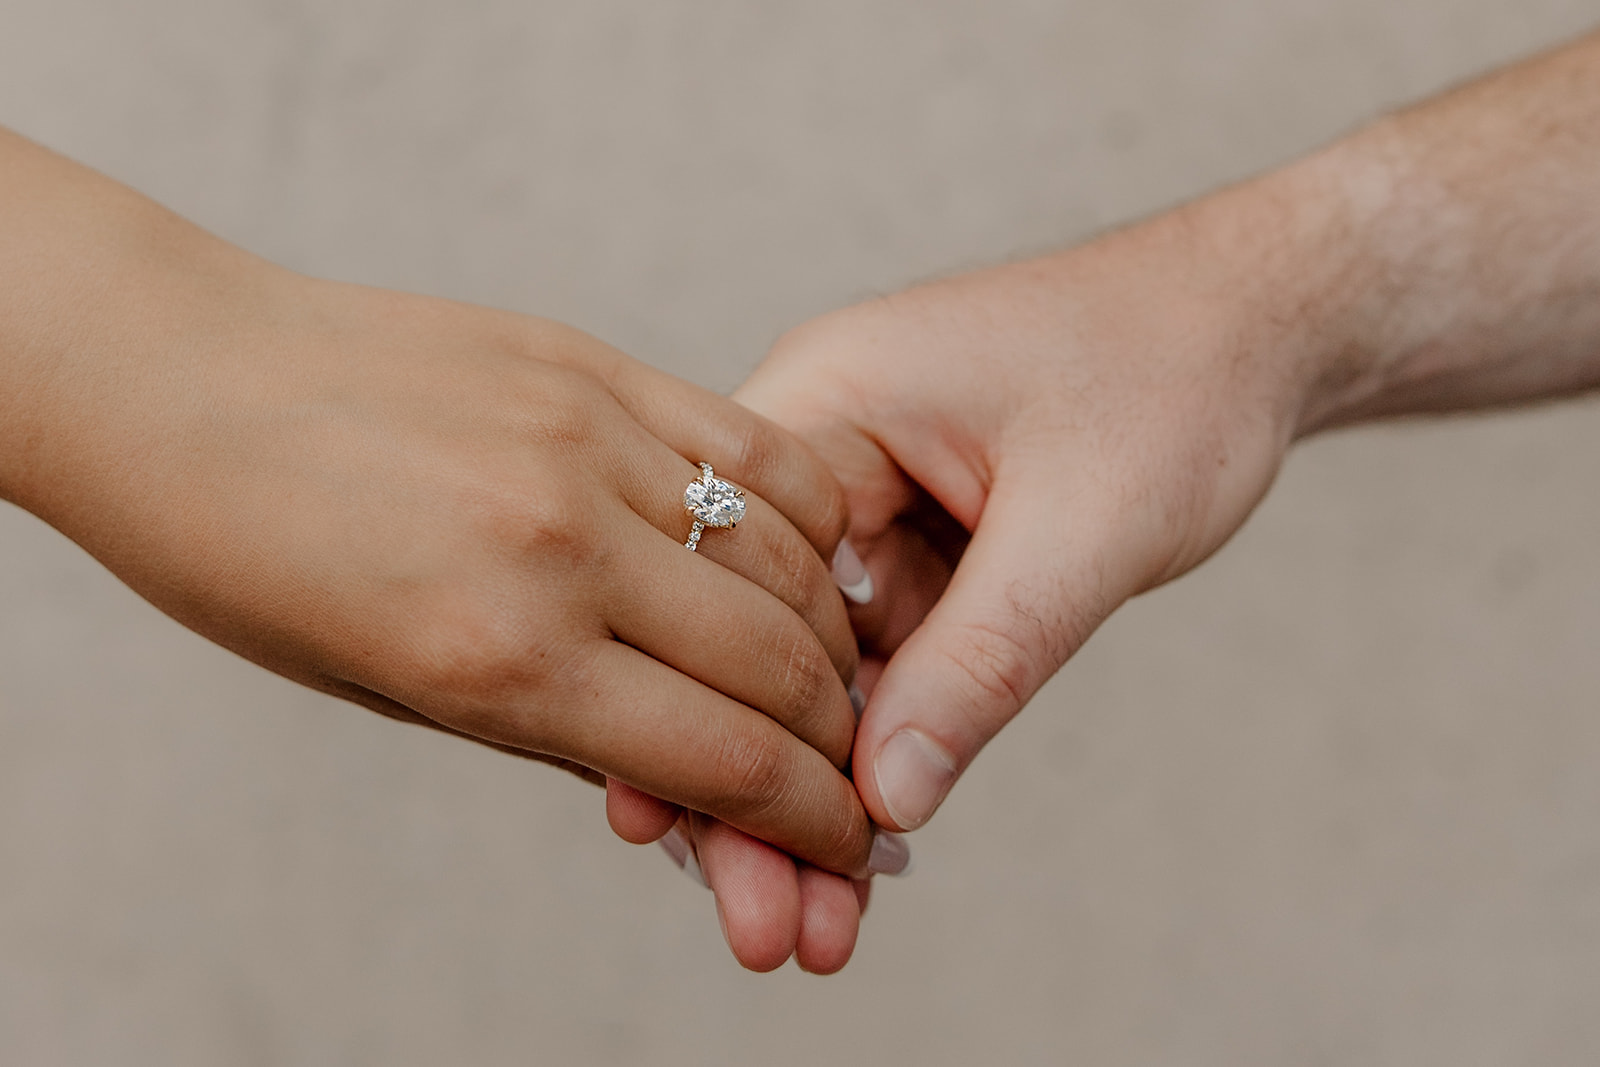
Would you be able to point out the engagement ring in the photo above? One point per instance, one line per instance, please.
(712, 502)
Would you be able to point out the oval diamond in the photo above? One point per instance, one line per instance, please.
(714, 501)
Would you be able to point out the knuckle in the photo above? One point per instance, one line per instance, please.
(797, 575)
(473, 662)
(552, 529)
(765, 454)
(848, 839)
(754, 773)
(989, 661)
(762, 784)
(545, 522)
(788, 568)
(808, 679)
(1003, 663)
(757, 448)
(813, 706)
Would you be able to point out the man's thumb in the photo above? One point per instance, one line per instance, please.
(1009, 618)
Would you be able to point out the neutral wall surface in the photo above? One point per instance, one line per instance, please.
(1334, 799)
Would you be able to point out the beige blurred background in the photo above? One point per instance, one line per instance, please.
(1335, 799)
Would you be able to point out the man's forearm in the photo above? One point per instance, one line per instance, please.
(1467, 251)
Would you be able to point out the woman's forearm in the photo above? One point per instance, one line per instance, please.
(98, 285)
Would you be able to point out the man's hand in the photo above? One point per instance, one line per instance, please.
(1025, 448)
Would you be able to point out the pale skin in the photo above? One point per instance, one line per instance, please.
(1025, 448)
(457, 517)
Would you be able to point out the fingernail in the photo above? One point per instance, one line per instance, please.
(677, 848)
(891, 855)
(914, 773)
(858, 699)
(851, 574)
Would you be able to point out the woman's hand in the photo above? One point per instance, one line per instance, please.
(458, 517)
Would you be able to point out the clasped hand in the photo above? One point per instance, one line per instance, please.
(473, 520)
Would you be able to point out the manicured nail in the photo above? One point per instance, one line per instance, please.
(677, 848)
(851, 574)
(914, 773)
(890, 855)
(858, 699)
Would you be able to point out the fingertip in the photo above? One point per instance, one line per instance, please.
(911, 773)
(757, 890)
(755, 952)
(830, 921)
(891, 855)
(1015, 609)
